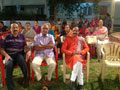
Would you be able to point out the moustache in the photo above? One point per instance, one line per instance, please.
(15, 30)
(74, 33)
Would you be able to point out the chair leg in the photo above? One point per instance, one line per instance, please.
(56, 73)
(32, 76)
(102, 75)
(87, 72)
(28, 67)
(3, 73)
(64, 73)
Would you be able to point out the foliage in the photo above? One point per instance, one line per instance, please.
(96, 7)
(68, 6)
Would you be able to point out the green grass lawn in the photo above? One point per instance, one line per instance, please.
(110, 83)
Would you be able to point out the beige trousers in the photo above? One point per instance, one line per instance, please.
(36, 66)
(99, 47)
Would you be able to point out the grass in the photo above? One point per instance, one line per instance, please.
(110, 83)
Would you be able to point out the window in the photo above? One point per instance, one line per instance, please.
(89, 10)
(103, 10)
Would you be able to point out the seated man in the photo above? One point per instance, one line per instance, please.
(44, 44)
(12, 48)
(74, 47)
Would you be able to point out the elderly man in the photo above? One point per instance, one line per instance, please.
(74, 47)
(12, 48)
(44, 44)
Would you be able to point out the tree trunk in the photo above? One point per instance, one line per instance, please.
(53, 12)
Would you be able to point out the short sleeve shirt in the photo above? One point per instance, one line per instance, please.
(13, 45)
(41, 40)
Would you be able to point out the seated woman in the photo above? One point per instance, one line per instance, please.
(102, 36)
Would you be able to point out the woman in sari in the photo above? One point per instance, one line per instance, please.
(102, 36)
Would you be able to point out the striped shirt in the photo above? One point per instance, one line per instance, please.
(13, 45)
(41, 40)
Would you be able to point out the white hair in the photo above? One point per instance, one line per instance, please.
(44, 25)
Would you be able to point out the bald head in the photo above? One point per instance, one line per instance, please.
(45, 29)
(15, 29)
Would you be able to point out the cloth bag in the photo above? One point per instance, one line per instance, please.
(91, 39)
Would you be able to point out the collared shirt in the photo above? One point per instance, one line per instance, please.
(13, 45)
(29, 33)
(41, 40)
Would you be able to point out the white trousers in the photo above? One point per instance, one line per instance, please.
(36, 66)
(77, 73)
(99, 47)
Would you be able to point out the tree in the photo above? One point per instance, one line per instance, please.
(68, 5)
(96, 7)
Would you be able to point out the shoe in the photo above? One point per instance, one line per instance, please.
(26, 83)
(80, 87)
(46, 82)
(72, 86)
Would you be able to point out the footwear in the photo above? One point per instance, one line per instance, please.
(80, 87)
(46, 82)
(26, 83)
(72, 86)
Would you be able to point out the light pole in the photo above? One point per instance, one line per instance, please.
(113, 12)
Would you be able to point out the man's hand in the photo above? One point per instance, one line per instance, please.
(28, 54)
(26, 48)
(7, 58)
(76, 53)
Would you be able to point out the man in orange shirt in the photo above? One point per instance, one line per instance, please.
(74, 47)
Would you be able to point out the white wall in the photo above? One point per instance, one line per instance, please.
(7, 23)
(117, 13)
(23, 2)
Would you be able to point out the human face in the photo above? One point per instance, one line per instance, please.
(15, 29)
(35, 23)
(100, 23)
(45, 29)
(49, 25)
(67, 28)
(75, 31)
(27, 26)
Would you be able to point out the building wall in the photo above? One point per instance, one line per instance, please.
(27, 4)
(23, 2)
(117, 14)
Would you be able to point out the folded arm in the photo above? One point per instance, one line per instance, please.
(43, 47)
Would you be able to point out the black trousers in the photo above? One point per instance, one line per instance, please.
(9, 66)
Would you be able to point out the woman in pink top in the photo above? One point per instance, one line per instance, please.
(102, 36)
(36, 27)
(101, 31)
